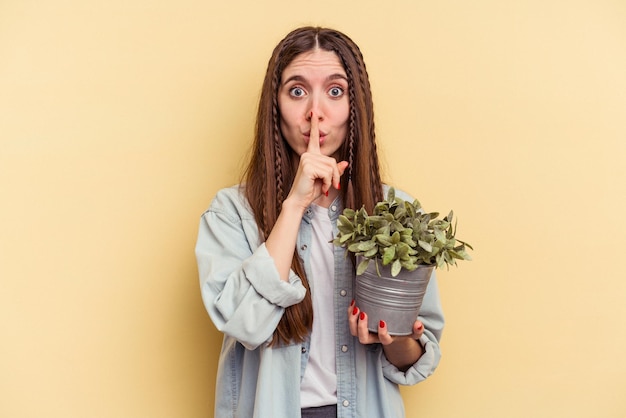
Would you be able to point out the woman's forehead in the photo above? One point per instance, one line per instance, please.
(314, 60)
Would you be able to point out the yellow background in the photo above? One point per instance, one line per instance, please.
(119, 120)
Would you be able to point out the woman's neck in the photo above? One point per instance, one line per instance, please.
(325, 201)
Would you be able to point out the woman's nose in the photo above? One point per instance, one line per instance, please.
(314, 108)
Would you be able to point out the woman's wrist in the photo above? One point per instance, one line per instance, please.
(292, 207)
(403, 352)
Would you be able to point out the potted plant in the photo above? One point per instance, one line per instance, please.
(397, 248)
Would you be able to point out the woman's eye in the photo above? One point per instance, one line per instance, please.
(336, 92)
(297, 91)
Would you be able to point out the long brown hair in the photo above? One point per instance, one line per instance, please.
(271, 171)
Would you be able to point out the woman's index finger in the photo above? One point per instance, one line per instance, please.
(314, 136)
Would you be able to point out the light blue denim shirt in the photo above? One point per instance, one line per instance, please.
(245, 298)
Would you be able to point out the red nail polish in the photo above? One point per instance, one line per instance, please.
(326, 193)
(362, 316)
(338, 186)
(355, 310)
(382, 324)
(352, 303)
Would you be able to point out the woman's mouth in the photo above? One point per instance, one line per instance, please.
(322, 137)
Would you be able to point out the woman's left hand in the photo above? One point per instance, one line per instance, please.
(402, 351)
(358, 328)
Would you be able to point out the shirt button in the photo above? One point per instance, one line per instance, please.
(304, 247)
(344, 348)
(334, 208)
(345, 402)
(304, 349)
(343, 292)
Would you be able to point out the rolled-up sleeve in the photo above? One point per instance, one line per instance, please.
(261, 272)
(431, 315)
(241, 288)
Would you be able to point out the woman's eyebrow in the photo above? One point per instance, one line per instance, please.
(337, 76)
(294, 78)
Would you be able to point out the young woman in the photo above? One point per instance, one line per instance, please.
(294, 343)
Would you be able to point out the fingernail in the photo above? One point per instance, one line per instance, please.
(362, 316)
(352, 303)
(382, 324)
(355, 310)
(326, 193)
(338, 186)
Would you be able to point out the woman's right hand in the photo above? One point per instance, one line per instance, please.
(317, 173)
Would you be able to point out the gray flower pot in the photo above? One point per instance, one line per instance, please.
(395, 300)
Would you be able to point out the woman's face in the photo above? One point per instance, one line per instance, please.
(315, 82)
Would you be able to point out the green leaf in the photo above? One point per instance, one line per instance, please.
(384, 240)
(440, 236)
(362, 266)
(367, 245)
(395, 268)
(343, 220)
(402, 251)
(400, 212)
(350, 213)
(408, 240)
(409, 265)
(397, 226)
(383, 229)
(371, 253)
(426, 246)
(461, 254)
(345, 238)
(388, 255)
(440, 261)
